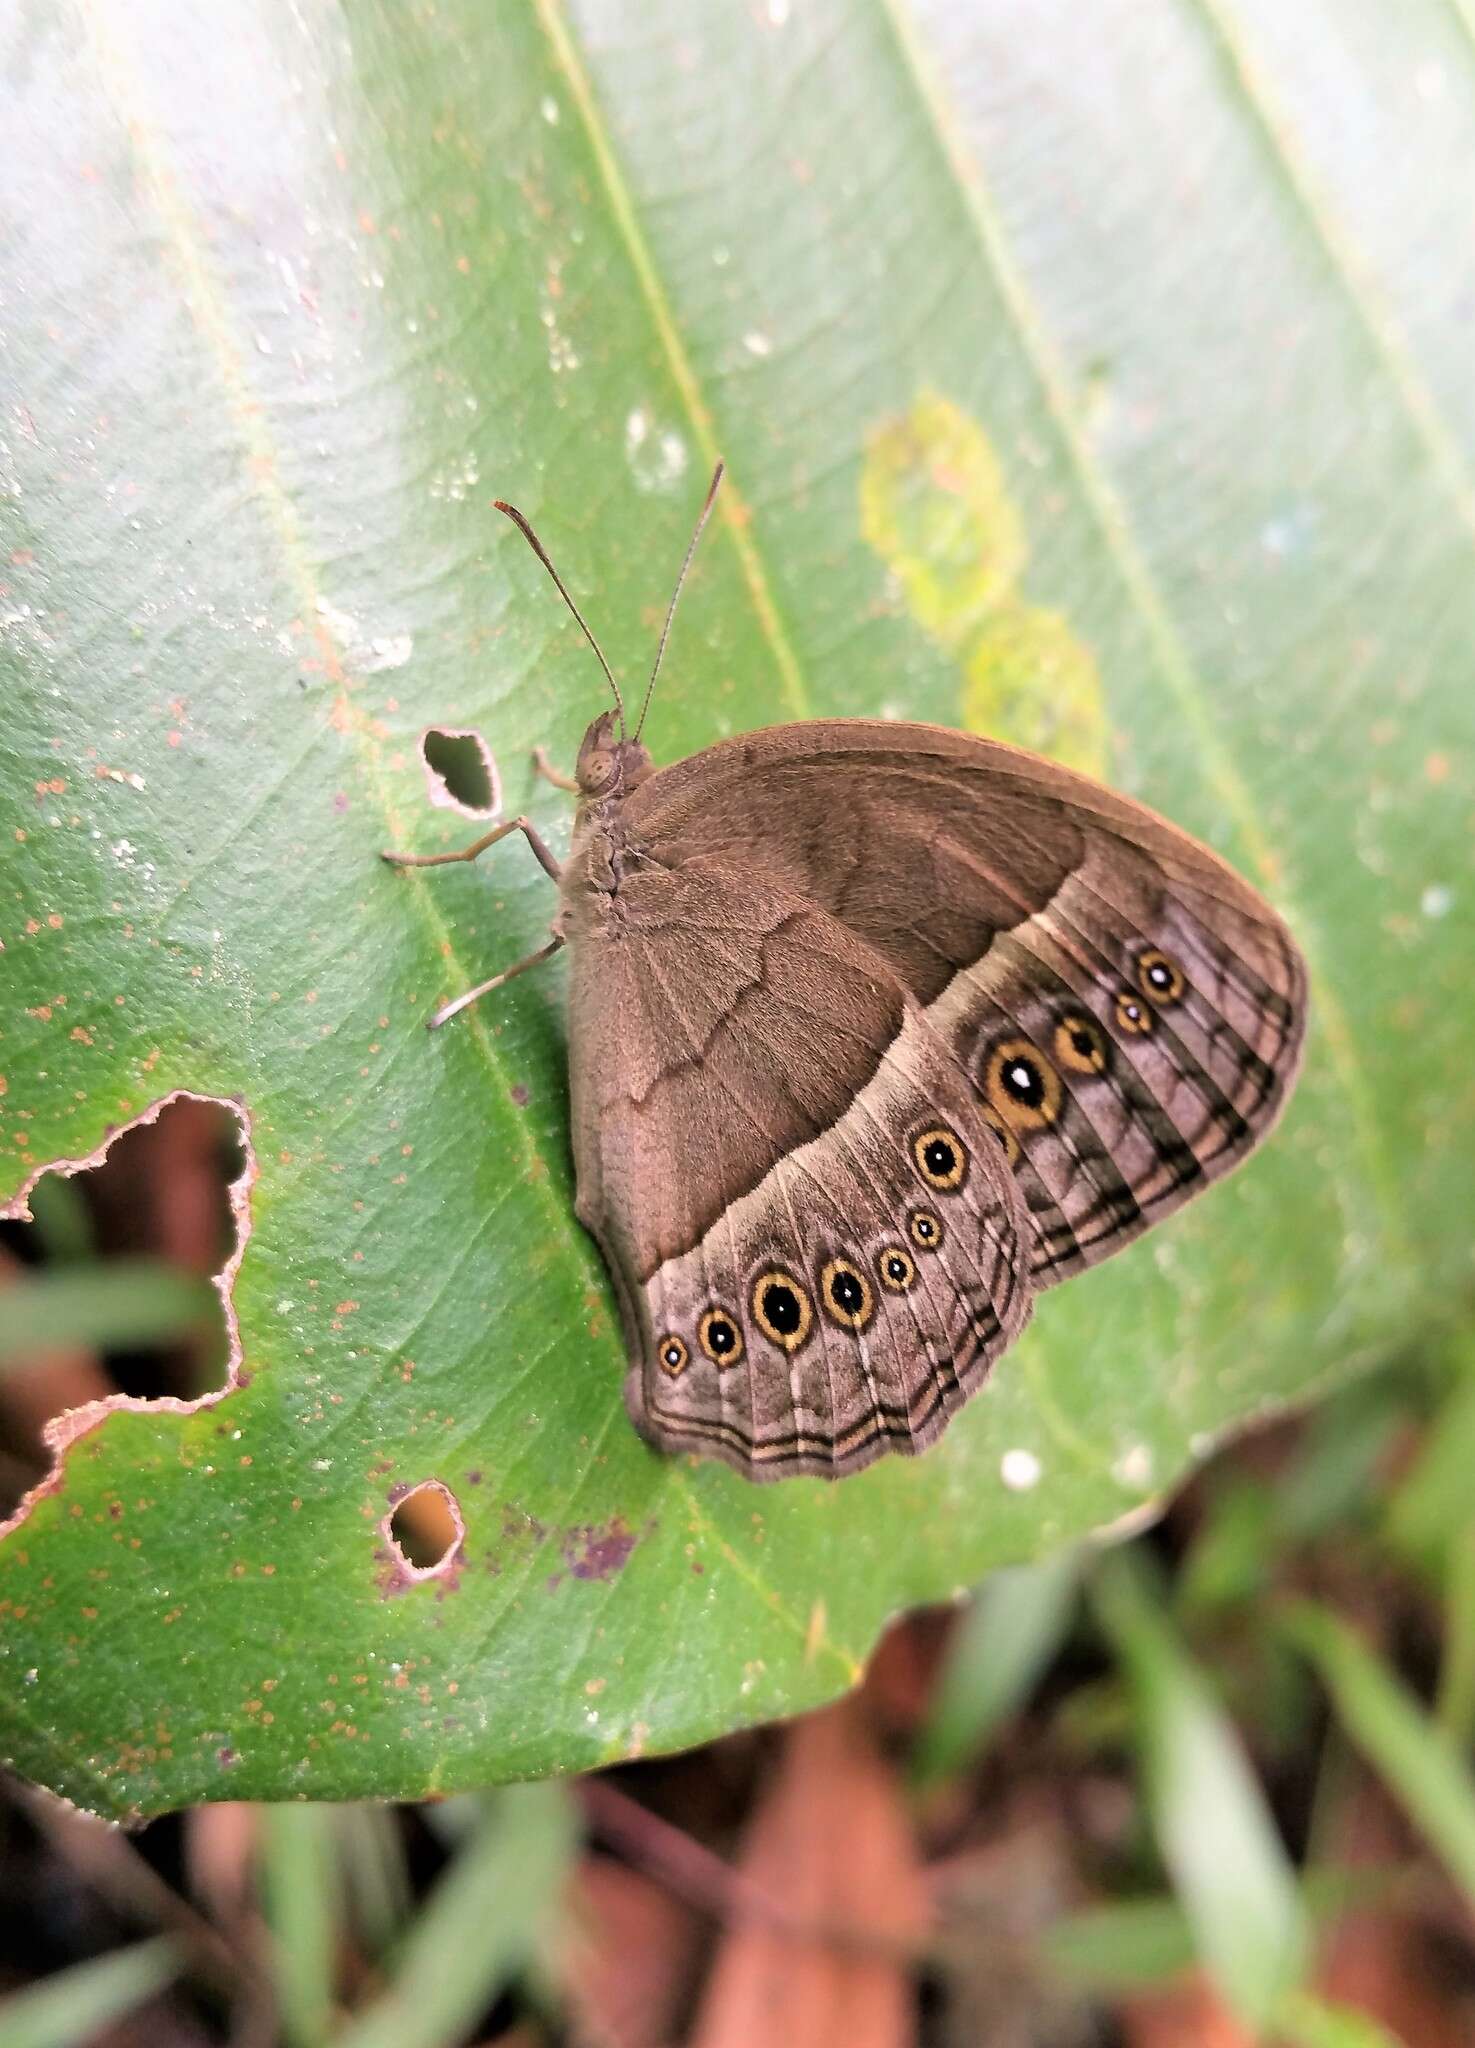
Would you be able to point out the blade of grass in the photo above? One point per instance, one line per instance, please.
(303, 1899)
(374, 1870)
(1420, 1766)
(73, 2007)
(122, 1302)
(1208, 1813)
(61, 1217)
(479, 1926)
(1304, 2021)
(1132, 1944)
(1433, 1505)
(1013, 1629)
(1454, 1708)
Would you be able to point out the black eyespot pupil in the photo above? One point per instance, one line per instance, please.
(896, 1269)
(781, 1307)
(1159, 976)
(1083, 1042)
(924, 1228)
(673, 1355)
(847, 1294)
(720, 1334)
(1023, 1080)
(940, 1158)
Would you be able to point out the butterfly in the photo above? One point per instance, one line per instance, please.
(877, 1030)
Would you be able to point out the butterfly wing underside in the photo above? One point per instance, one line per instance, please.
(1130, 1011)
(817, 1246)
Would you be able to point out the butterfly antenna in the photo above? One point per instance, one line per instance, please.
(675, 594)
(512, 513)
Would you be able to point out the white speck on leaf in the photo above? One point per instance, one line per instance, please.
(1020, 1470)
(1133, 1467)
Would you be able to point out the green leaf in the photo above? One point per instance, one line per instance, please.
(1216, 1837)
(1016, 1624)
(1421, 1766)
(127, 1301)
(265, 370)
(77, 2005)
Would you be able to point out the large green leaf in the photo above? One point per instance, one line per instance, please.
(1100, 376)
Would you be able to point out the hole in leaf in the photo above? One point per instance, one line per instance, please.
(425, 1529)
(106, 1283)
(460, 771)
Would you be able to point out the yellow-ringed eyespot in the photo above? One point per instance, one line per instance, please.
(673, 1355)
(1012, 1149)
(1079, 1044)
(925, 1230)
(720, 1337)
(896, 1267)
(781, 1309)
(1021, 1086)
(1132, 1014)
(846, 1295)
(1160, 976)
(942, 1158)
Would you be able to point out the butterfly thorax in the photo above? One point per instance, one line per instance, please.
(609, 767)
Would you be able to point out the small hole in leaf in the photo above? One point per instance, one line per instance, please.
(460, 771)
(425, 1527)
(105, 1290)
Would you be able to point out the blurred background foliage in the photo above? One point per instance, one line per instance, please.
(1101, 384)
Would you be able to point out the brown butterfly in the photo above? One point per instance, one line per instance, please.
(875, 1030)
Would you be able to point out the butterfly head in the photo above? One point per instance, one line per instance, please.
(609, 766)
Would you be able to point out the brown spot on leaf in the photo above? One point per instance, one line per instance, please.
(598, 1550)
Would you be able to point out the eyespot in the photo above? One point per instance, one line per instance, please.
(781, 1309)
(846, 1294)
(1012, 1150)
(673, 1355)
(925, 1230)
(896, 1267)
(942, 1158)
(1133, 1016)
(720, 1337)
(1080, 1044)
(1021, 1086)
(1160, 976)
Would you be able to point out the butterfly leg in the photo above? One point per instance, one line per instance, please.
(459, 1003)
(479, 846)
(556, 776)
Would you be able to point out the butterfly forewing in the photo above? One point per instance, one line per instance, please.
(1129, 1010)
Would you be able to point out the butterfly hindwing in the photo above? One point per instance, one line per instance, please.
(818, 1247)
